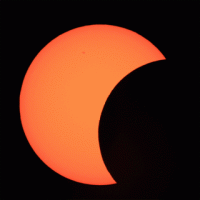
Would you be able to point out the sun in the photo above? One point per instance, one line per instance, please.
(65, 89)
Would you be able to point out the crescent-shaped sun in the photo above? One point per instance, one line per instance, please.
(65, 89)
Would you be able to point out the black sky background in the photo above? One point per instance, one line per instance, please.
(172, 26)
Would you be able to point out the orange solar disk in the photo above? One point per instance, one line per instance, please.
(65, 89)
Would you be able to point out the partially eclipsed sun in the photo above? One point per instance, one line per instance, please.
(65, 89)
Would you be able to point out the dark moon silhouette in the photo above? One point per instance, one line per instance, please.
(134, 131)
